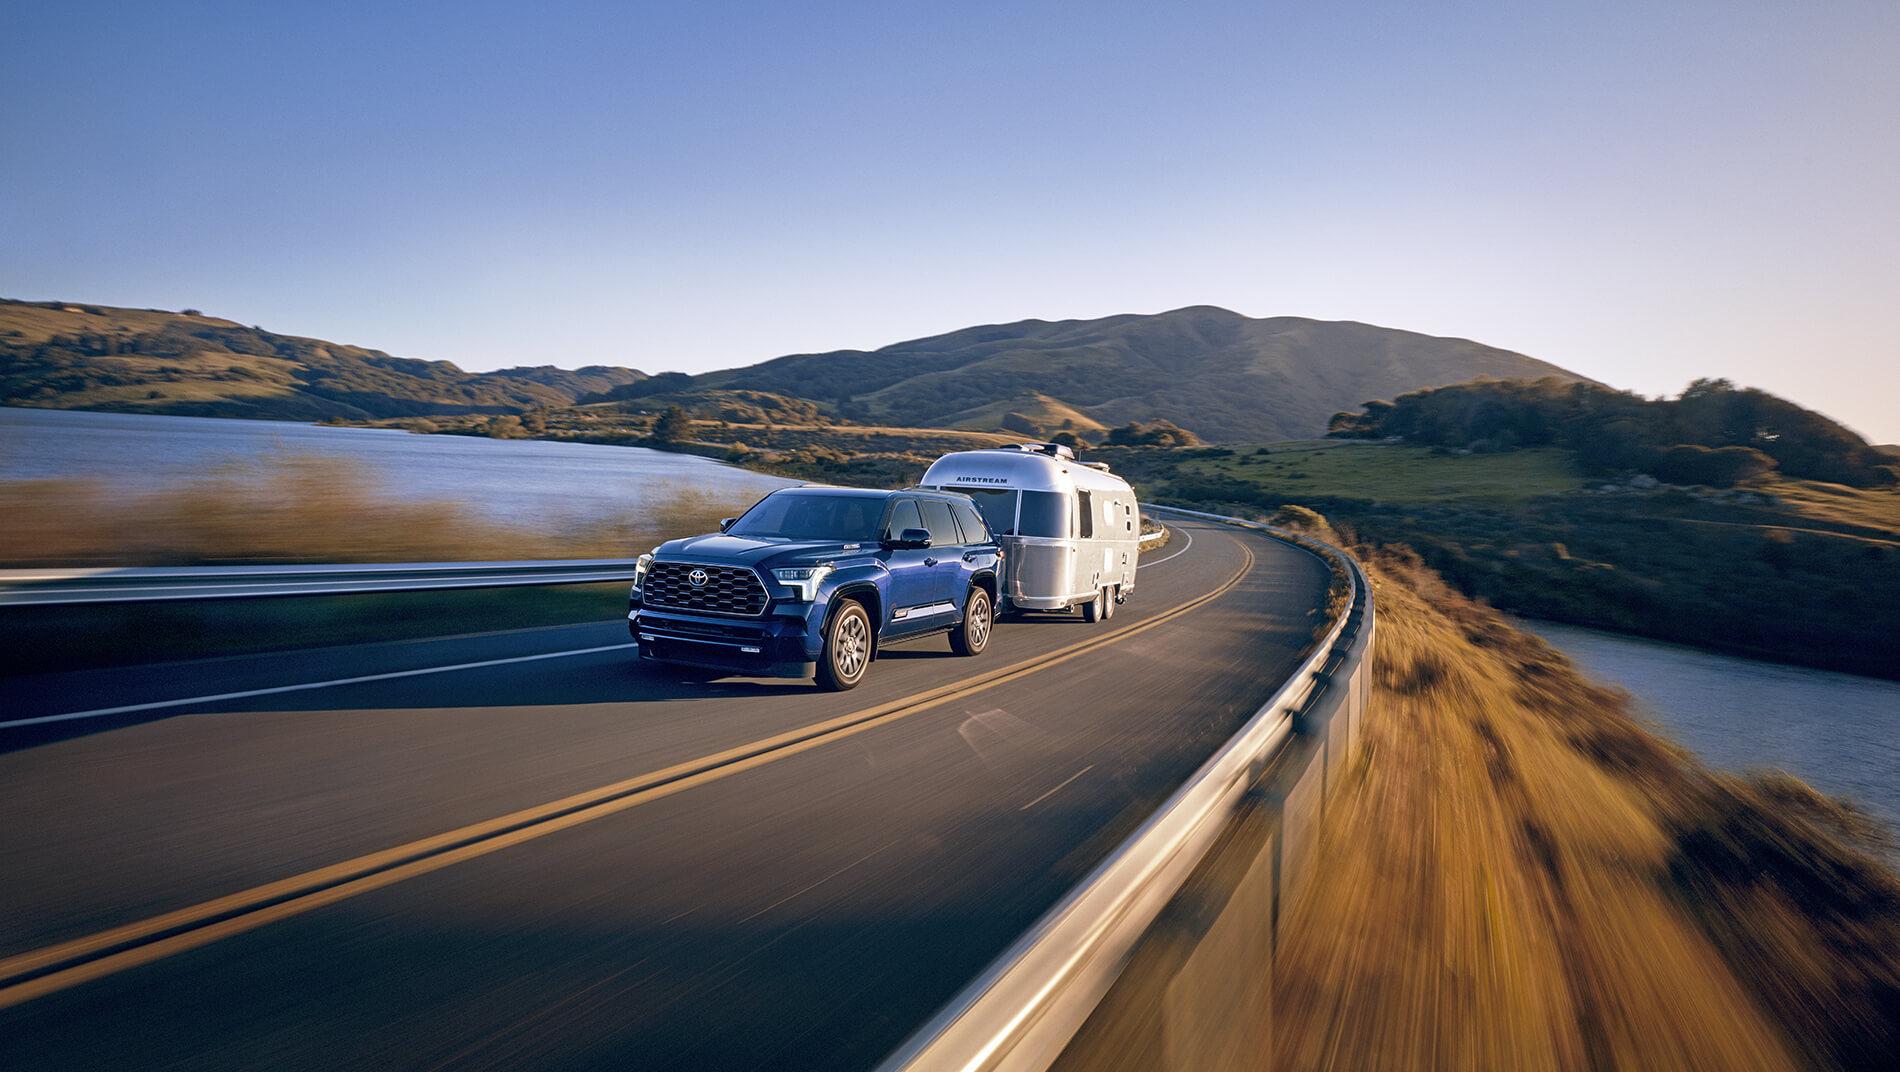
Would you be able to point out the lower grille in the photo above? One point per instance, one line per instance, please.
(724, 590)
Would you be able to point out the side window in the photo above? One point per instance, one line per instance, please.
(971, 522)
(943, 528)
(1086, 505)
(903, 516)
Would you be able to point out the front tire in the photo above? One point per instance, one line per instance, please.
(971, 637)
(847, 651)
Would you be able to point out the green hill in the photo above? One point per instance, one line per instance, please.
(1224, 376)
(60, 355)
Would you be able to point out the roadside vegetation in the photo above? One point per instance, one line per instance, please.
(759, 430)
(292, 508)
(1774, 566)
(1570, 890)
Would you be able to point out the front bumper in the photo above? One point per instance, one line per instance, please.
(782, 643)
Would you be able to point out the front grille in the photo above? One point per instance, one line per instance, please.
(728, 589)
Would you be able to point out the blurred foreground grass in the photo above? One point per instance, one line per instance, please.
(1520, 875)
(290, 508)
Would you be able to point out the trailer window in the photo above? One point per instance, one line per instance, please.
(1045, 513)
(1087, 514)
(997, 505)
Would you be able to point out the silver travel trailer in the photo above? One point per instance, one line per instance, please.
(1071, 531)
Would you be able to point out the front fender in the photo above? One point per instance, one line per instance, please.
(868, 583)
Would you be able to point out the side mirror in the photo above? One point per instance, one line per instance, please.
(910, 539)
(726, 523)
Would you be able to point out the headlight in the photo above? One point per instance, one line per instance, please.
(640, 567)
(804, 580)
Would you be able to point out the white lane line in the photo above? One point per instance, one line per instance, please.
(1177, 554)
(392, 675)
(1058, 788)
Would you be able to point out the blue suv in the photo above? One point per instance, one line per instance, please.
(819, 576)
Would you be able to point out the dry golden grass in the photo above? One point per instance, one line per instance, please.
(293, 508)
(1872, 508)
(1518, 875)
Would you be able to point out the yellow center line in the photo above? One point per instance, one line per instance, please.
(134, 944)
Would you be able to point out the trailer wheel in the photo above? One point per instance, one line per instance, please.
(1093, 610)
(1109, 599)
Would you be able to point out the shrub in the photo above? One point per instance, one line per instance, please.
(1721, 467)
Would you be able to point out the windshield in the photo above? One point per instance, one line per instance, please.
(813, 515)
(997, 505)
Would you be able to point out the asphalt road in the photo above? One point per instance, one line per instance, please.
(526, 850)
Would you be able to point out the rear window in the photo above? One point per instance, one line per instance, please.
(971, 522)
(943, 528)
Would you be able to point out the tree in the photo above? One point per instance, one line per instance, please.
(672, 427)
(1158, 434)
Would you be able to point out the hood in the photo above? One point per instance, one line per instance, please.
(721, 549)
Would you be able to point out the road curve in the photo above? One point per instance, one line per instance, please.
(525, 850)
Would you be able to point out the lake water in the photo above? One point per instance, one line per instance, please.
(510, 480)
(1838, 732)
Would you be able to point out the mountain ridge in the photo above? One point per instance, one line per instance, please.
(1221, 374)
(70, 355)
(1248, 378)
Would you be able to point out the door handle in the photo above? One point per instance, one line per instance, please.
(930, 561)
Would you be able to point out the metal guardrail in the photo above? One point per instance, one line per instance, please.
(1025, 1008)
(159, 584)
(66, 587)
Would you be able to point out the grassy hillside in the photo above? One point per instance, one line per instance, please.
(1217, 373)
(1036, 415)
(64, 356)
(1714, 433)
(1569, 891)
(1797, 570)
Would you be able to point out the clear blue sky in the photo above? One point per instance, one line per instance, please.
(1644, 196)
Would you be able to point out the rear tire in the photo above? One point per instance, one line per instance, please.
(1092, 611)
(847, 651)
(1110, 598)
(971, 637)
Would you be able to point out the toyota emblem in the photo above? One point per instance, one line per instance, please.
(697, 578)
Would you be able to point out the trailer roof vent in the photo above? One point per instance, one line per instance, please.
(1053, 450)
